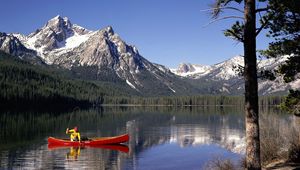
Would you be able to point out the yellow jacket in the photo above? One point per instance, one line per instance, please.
(75, 136)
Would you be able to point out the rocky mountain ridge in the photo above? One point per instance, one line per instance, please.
(226, 78)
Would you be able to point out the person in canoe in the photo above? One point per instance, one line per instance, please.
(75, 135)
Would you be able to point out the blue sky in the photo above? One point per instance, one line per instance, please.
(167, 32)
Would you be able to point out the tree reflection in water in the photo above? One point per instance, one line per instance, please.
(160, 134)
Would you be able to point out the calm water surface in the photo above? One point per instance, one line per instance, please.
(160, 137)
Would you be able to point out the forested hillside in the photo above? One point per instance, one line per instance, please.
(25, 85)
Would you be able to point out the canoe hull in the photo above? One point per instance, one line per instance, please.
(94, 142)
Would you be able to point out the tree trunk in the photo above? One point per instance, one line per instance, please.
(251, 96)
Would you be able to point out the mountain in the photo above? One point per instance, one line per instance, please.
(225, 78)
(103, 56)
(99, 55)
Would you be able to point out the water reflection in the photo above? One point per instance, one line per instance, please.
(159, 137)
(73, 153)
(116, 147)
(188, 130)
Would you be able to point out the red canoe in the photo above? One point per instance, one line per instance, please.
(92, 142)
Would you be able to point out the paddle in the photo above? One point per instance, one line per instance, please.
(74, 110)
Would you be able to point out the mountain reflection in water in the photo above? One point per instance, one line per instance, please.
(160, 137)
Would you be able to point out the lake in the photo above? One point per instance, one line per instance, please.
(160, 137)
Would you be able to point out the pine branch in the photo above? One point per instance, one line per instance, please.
(236, 36)
(227, 17)
(263, 25)
(261, 9)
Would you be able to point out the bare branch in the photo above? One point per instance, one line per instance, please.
(261, 10)
(260, 28)
(263, 25)
(260, 17)
(233, 8)
(219, 19)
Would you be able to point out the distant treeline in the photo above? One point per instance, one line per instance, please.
(200, 100)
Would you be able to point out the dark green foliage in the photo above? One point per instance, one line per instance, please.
(292, 102)
(284, 25)
(93, 73)
(290, 68)
(23, 84)
(236, 32)
(266, 74)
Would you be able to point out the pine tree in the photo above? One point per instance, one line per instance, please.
(246, 32)
(282, 20)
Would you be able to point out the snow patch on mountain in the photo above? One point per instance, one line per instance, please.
(172, 89)
(30, 44)
(269, 87)
(130, 84)
(162, 68)
(224, 89)
(296, 84)
(21, 37)
(73, 41)
(227, 69)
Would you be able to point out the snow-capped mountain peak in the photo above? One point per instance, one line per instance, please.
(187, 69)
(58, 22)
(109, 30)
(55, 34)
